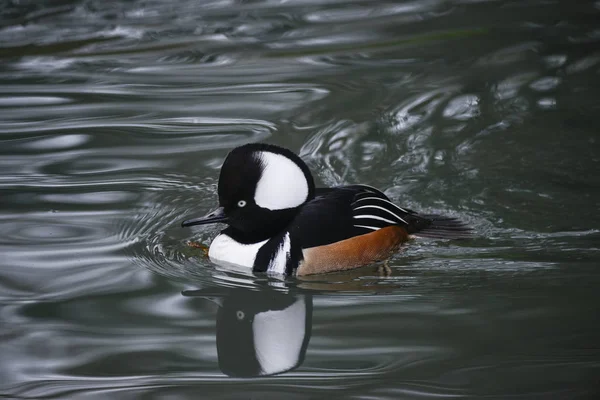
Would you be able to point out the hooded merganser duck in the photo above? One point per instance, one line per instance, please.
(278, 222)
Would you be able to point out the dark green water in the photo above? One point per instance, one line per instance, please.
(116, 116)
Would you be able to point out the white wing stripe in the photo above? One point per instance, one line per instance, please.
(384, 209)
(374, 217)
(367, 227)
(384, 200)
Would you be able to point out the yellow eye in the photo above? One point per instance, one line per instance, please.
(241, 203)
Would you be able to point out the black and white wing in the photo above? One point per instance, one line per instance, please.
(373, 210)
(343, 212)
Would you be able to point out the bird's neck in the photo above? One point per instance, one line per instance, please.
(255, 236)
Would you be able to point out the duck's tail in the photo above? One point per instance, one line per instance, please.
(441, 227)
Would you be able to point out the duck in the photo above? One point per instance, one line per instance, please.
(278, 222)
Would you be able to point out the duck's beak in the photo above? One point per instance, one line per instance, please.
(212, 217)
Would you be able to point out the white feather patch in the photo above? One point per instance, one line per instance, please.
(382, 209)
(225, 249)
(279, 261)
(278, 337)
(383, 200)
(374, 217)
(282, 183)
(373, 228)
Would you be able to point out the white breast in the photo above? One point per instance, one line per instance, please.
(279, 261)
(226, 250)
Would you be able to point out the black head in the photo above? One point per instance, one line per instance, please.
(261, 188)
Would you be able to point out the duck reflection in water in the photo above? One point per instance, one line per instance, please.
(260, 333)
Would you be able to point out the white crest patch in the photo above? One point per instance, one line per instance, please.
(278, 337)
(279, 261)
(282, 183)
(226, 250)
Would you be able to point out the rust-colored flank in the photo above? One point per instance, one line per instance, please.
(352, 253)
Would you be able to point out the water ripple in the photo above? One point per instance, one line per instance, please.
(115, 118)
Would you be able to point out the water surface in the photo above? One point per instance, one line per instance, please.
(116, 116)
